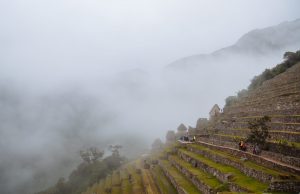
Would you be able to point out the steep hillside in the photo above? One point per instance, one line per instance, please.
(215, 162)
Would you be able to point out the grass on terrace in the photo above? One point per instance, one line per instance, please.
(162, 181)
(247, 163)
(107, 184)
(125, 184)
(207, 178)
(238, 177)
(179, 178)
(149, 182)
(137, 183)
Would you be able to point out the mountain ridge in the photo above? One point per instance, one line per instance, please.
(263, 41)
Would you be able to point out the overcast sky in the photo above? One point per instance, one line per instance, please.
(46, 38)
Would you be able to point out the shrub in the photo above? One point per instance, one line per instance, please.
(259, 131)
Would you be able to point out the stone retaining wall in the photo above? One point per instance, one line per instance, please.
(293, 161)
(255, 158)
(273, 147)
(179, 189)
(285, 186)
(266, 178)
(194, 179)
(219, 175)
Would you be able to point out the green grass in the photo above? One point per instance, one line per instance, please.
(116, 178)
(149, 183)
(238, 177)
(125, 184)
(107, 184)
(179, 178)
(247, 163)
(100, 187)
(162, 181)
(207, 178)
(137, 183)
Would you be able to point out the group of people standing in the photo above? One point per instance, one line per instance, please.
(242, 146)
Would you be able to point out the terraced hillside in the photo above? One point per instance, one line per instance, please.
(278, 98)
(213, 163)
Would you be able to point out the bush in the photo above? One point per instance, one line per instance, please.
(291, 59)
(259, 131)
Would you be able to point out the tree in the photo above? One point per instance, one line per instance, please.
(115, 149)
(91, 155)
(259, 131)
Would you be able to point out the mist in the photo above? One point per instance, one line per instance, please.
(76, 74)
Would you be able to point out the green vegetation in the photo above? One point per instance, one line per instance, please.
(179, 178)
(290, 59)
(259, 131)
(86, 175)
(238, 177)
(149, 183)
(162, 181)
(125, 185)
(116, 178)
(208, 179)
(136, 179)
(247, 163)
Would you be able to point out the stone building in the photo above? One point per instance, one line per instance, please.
(201, 123)
(215, 111)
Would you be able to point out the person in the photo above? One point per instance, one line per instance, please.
(194, 138)
(242, 146)
(256, 149)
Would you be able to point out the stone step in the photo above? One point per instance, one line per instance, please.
(237, 181)
(205, 182)
(181, 183)
(248, 167)
(261, 160)
(163, 184)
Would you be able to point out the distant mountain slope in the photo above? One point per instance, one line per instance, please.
(259, 42)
